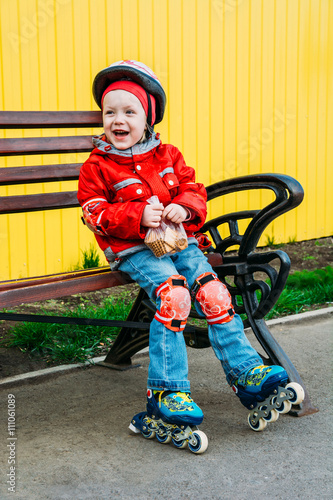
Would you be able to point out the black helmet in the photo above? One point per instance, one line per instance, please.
(135, 71)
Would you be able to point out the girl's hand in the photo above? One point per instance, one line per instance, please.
(152, 215)
(175, 213)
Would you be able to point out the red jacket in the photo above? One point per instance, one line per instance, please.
(114, 187)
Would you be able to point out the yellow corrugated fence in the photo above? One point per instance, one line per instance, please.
(249, 87)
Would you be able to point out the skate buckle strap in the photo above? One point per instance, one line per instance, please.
(199, 282)
(214, 298)
(176, 280)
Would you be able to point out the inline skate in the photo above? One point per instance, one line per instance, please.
(171, 417)
(266, 392)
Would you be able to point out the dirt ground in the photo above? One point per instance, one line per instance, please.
(305, 255)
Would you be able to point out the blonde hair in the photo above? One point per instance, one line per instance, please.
(146, 134)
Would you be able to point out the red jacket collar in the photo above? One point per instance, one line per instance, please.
(139, 152)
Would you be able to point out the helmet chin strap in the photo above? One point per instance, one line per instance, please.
(149, 114)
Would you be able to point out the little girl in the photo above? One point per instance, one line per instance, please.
(129, 165)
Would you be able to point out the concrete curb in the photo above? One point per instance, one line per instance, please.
(58, 370)
(45, 373)
(319, 313)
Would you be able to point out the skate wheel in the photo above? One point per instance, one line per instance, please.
(272, 416)
(259, 426)
(198, 442)
(181, 443)
(163, 438)
(148, 434)
(285, 407)
(298, 392)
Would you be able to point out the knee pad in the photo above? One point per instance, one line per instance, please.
(214, 298)
(175, 303)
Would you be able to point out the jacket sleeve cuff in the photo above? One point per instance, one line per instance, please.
(190, 215)
(124, 223)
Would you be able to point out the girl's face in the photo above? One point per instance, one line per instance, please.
(124, 119)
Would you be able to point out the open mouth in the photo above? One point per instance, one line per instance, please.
(120, 133)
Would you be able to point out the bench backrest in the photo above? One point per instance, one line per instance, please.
(43, 146)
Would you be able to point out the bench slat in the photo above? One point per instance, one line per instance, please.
(54, 290)
(50, 119)
(36, 202)
(45, 145)
(39, 173)
(29, 290)
(51, 278)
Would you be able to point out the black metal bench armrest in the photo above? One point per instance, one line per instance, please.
(242, 266)
(288, 195)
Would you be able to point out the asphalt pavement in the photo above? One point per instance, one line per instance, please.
(71, 438)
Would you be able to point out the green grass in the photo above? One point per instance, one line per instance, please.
(292, 240)
(270, 242)
(90, 259)
(304, 289)
(71, 343)
(294, 301)
(309, 279)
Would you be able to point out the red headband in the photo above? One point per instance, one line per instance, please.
(138, 91)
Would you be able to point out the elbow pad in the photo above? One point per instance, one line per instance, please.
(92, 214)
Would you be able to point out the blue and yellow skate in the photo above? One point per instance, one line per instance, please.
(264, 390)
(171, 416)
(174, 407)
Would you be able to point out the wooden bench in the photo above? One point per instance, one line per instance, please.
(134, 332)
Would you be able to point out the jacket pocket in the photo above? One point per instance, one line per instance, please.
(169, 178)
(129, 189)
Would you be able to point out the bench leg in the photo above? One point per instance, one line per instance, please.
(130, 340)
(277, 356)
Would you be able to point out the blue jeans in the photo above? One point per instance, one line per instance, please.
(168, 367)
